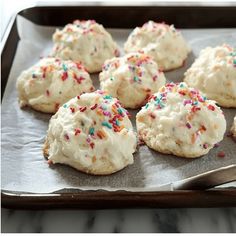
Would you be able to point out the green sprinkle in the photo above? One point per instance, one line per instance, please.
(104, 123)
(107, 97)
(136, 79)
(111, 78)
(147, 105)
(234, 61)
(157, 100)
(117, 123)
(65, 106)
(195, 103)
(91, 131)
(64, 67)
(120, 110)
(181, 85)
(232, 54)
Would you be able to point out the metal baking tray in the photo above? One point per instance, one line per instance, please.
(183, 16)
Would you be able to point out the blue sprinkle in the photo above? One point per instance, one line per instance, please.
(120, 110)
(117, 123)
(107, 97)
(64, 67)
(106, 124)
(91, 131)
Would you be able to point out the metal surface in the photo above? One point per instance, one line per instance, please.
(222, 16)
(208, 180)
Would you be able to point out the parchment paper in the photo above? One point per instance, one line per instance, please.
(23, 131)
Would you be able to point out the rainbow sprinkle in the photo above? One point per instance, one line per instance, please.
(110, 116)
(192, 99)
(106, 124)
(91, 131)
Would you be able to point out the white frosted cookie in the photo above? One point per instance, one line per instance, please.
(233, 128)
(85, 41)
(179, 120)
(163, 42)
(214, 73)
(52, 82)
(91, 133)
(131, 79)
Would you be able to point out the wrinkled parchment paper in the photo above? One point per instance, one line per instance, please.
(23, 131)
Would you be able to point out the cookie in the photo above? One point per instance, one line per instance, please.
(233, 128)
(214, 73)
(180, 120)
(131, 78)
(50, 83)
(85, 41)
(91, 133)
(162, 42)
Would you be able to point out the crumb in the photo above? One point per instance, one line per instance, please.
(49, 162)
(217, 145)
(140, 142)
(221, 154)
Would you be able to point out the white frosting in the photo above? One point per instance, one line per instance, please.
(214, 73)
(180, 120)
(163, 42)
(85, 41)
(52, 82)
(131, 79)
(82, 135)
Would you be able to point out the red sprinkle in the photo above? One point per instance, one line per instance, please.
(66, 137)
(210, 107)
(82, 109)
(194, 109)
(182, 93)
(77, 131)
(72, 109)
(188, 126)
(152, 116)
(79, 80)
(78, 97)
(91, 145)
(94, 106)
(221, 154)
(79, 66)
(154, 78)
(64, 75)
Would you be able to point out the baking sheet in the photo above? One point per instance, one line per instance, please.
(23, 131)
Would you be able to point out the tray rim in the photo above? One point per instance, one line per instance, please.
(100, 199)
(92, 199)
